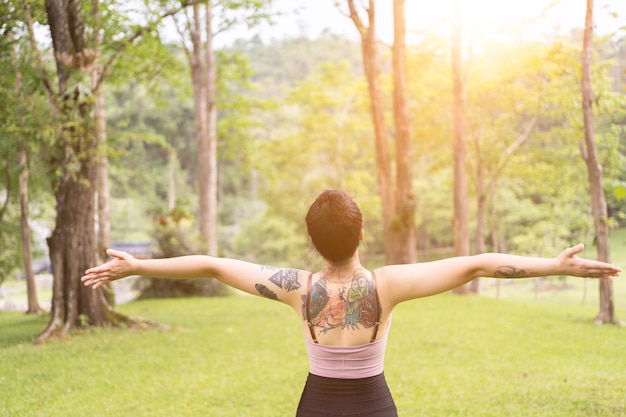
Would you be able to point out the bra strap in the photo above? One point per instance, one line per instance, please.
(378, 308)
(307, 309)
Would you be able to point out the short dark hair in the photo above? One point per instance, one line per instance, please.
(334, 223)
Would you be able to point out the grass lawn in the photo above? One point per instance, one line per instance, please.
(245, 356)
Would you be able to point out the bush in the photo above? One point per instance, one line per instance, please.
(175, 236)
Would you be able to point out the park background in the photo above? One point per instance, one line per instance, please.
(293, 118)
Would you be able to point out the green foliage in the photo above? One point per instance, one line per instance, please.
(236, 119)
(175, 235)
(248, 13)
(174, 231)
(316, 134)
(280, 64)
(323, 140)
(294, 119)
(148, 143)
(10, 245)
(270, 240)
(507, 87)
(536, 359)
(24, 126)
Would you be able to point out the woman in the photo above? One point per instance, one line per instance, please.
(346, 309)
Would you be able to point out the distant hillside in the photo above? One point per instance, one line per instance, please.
(281, 64)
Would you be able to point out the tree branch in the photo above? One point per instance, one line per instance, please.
(508, 153)
(354, 15)
(45, 78)
(121, 46)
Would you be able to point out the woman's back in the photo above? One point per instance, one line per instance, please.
(340, 311)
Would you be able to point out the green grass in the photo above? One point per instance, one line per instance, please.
(528, 353)
(245, 356)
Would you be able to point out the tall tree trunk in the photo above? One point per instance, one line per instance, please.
(480, 208)
(73, 243)
(594, 173)
(102, 182)
(371, 67)
(461, 229)
(398, 207)
(104, 218)
(403, 228)
(203, 70)
(172, 163)
(97, 88)
(211, 97)
(31, 287)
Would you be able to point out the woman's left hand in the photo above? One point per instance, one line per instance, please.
(573, 265)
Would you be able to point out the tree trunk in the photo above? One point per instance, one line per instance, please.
(102, 181)
(197, 65)
(31, 287)
(102, 188)
(72, 245)
(172, 163)
(461, 230)
(203, 73)
(594, 174)
(383, 167)
(104, 218)
(403, 228)
(211, 97)
(480, 209)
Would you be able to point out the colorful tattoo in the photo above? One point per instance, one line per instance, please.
(509, 271)
(331, 307)
(287, 279)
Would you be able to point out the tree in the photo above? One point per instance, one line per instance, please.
(21, 108)
(319, 138)
(503, 99)
(461, 216)
(73, 157)
(398, 216)
(594, 172)
(403, 228)
(200, 29)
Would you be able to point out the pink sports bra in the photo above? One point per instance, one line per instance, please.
(347, 362)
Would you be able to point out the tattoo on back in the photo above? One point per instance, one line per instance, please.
(509, 271)
(287, 279)
(347, 306)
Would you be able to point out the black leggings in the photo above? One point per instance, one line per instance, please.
(334, 397)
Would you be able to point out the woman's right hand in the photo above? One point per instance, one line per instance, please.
(122, 265)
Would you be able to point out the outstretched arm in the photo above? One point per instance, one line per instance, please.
(404, 282)
(270, 282)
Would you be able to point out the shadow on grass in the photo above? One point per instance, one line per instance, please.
(20, 328)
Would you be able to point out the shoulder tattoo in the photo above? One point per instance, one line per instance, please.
(287, 279)
(284, 278)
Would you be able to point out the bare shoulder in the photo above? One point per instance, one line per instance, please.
(386, 286)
